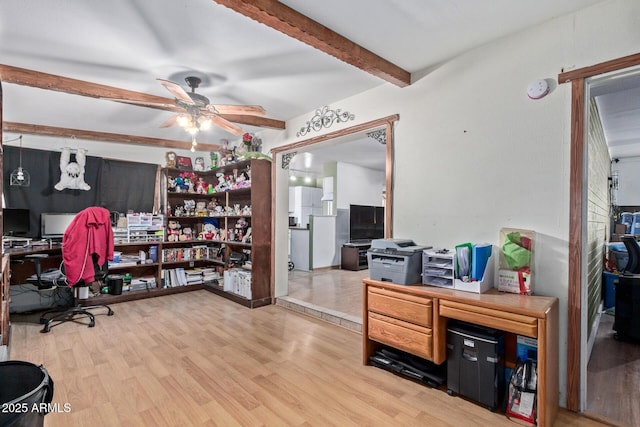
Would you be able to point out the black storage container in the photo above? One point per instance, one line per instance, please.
(24, 387)
(475, 363)
(115, 281)
(627, 303)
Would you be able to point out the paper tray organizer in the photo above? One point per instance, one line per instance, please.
(478, 286)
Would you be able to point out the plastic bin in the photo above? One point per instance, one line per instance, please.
(24, 388)
(626, 218)
(609, 289)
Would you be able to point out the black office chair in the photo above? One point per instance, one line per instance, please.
(98, 220)
(51, 279)
(633, 251)
(627, 301)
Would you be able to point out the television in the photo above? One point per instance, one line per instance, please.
(53, 225)
(15, 222)
(365, 223)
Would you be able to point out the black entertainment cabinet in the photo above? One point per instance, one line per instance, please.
(354, 256)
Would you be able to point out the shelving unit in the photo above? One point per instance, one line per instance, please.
(230, 208)
(354, 257)
(438, 268)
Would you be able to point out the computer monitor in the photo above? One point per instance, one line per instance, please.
(15, 222)
(53, 225)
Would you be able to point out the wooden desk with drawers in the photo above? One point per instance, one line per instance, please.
(414, 319)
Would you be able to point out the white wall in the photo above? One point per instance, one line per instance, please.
(358, 186)
(628, 193)
(474, 154)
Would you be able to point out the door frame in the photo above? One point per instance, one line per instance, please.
(385, 122)
(576, 200)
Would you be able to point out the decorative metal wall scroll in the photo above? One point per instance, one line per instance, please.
(325, 118)
(286, 159)
(379, 135)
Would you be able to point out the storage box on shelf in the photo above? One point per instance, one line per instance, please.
(145, 228)
(230, 205)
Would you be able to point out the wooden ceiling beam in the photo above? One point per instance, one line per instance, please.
(40, 80)
(37, 79)
(30, 129)
(294, 24)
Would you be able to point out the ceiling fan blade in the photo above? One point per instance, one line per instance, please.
(248, 110)
(142, 103)
(177, 91)
(227, 125)
(170, 121)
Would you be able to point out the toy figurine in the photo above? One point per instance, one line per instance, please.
(201, 186)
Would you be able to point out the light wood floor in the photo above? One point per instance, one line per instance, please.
(198, 359)
(335, 289)
(613, 377)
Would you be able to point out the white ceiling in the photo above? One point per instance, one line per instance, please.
(130, 43)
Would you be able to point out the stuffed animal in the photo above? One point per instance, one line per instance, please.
(170, 157)
(208, 232)
(199, 164)
(222, 185)
(247, 236)
(72, 173)
(173, 231)
(187, 234)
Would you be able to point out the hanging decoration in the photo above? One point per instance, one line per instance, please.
(20, 177)
(325, 118)
(72, 173)
(379, 135)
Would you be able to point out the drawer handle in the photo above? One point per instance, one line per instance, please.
(469, 357)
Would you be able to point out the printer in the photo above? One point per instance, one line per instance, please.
(395, 260)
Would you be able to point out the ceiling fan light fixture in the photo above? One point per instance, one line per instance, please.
(204, 123)
(183, 120)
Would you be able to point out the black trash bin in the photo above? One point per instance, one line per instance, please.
(24, 387)
(115, 282)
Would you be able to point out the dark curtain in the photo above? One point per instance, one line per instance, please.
(115, 185)
(127, 186)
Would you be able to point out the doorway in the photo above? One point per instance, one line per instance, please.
(325, 285)
(577, 299)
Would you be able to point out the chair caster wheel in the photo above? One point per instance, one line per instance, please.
(45, 329)
(43, 321)
(450, 392)
(110, 313)
(290, 266)
(92, 323)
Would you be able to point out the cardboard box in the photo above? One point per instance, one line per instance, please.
(620, 229)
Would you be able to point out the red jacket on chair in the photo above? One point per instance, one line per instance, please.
(89, 232)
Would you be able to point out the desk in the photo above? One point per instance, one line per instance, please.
(414, 319)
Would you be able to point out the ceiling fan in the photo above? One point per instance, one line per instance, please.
(199, 113)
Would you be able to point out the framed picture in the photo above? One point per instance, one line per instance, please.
(184, 163)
